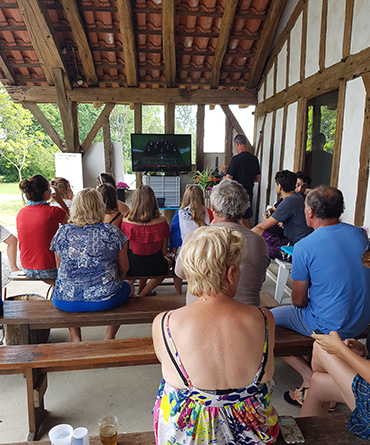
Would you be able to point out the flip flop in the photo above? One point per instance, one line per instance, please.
(299, 394)
(289, 399)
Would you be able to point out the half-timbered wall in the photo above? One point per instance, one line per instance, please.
(324, 47)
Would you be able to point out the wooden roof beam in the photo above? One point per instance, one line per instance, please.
(150, 96)
(223, 39)
(46, 125)
(168, 41)
(40, 30)
(267, 37)
(74, 19)
(128, 41)
(96, 127)
(7, 70)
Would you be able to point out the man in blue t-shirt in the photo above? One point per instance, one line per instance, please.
(331, 286)
(245, 169)
(290, 211)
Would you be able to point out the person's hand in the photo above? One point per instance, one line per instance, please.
(356, 346)
(56, 194)
(331, 343)
(281, 225)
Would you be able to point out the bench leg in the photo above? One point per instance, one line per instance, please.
(281, 281)
(36, 386)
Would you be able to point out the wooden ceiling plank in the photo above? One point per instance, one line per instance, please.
(179, 96)
(128, 41)
(267, 36)
(46, 125)
(237, 127)
(96, 127)
(40, 30)
(223, 39)
(168, 41)
(74, 19)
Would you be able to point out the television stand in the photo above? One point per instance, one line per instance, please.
(165, 188)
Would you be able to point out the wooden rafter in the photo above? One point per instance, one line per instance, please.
(223, 39)
(267, 36)
(40, 30)
(168, 41)
(237, 127)
(46, 125)
(85, 146)
(74, 19)
(7, 70)
(128, 41)
(136, 95)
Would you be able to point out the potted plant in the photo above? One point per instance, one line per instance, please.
(206, 179)
(121, 190)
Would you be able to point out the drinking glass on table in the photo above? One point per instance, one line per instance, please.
(108, 430)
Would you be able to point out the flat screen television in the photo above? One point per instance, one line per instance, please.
(161, 152)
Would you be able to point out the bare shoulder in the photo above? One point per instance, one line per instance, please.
(158, 220)
(123, 208)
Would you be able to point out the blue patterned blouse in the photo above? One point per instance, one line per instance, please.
(89, 267)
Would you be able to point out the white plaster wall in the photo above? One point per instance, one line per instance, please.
(270, 82)
(93, 163)
(295, 52)
(261, 93)
(334, 31)
(360, 26)
(281, 69)
(351, 144)
(264, 163)
(276, 152)
(291, 126)
(313, 37)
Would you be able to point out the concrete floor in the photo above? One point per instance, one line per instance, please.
(81, 397)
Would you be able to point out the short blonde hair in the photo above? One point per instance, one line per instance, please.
(87, 208)
(207, 257)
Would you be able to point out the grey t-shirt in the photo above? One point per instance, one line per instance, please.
(291, 213)
(253, 266)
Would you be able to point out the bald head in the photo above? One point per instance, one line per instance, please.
(326, 202)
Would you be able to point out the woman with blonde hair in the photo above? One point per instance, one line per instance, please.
(109, 195)
(65, 190)
(216, 353)
(92, 261)
(148, 233)
(192, 214)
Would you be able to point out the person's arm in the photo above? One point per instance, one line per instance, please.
(228, 176)
(179, 272)
(333, 344)
(157, 335)
(11, 251)
(57, 260)
(123, 264)
(164, 248)
(264, 225)
(58, 198)
(257, 178)
(300, 293)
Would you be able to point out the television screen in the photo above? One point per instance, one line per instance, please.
(161, 152)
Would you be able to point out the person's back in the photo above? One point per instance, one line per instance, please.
(341, 303)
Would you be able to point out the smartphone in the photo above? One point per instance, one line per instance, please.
(290, 430)
(317, 331)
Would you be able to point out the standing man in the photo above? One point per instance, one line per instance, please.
(245, 169)
(331, 286)
(229, 202)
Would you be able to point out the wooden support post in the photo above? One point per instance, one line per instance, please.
(138, 122)
(75, 127)
(96, 127)
(283, 138)
(228, 141)
(270, 181)
(199, 155)
(108, 147)
(338, 134)
(300, 136)
(169, 118)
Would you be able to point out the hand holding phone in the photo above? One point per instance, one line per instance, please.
(290, 430)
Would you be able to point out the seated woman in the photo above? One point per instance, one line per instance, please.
(92, 261)
(148, 233)
(341, 374)
(112, 214)
(208, 393)
(37, 223)
(192, 214)
(65, 190)
(106, 178)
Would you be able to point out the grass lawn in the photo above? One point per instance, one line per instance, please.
(9, 210)
(9, 188)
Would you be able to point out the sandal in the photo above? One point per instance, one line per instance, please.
(299, 395)
(152, 293)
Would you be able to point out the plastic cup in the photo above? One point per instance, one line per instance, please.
(108, 430)
(61, 434)
(80, 436)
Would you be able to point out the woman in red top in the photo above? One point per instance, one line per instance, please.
(148, 233)
(37, 223)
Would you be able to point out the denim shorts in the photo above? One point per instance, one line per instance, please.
(41, 274)
(291, 317)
